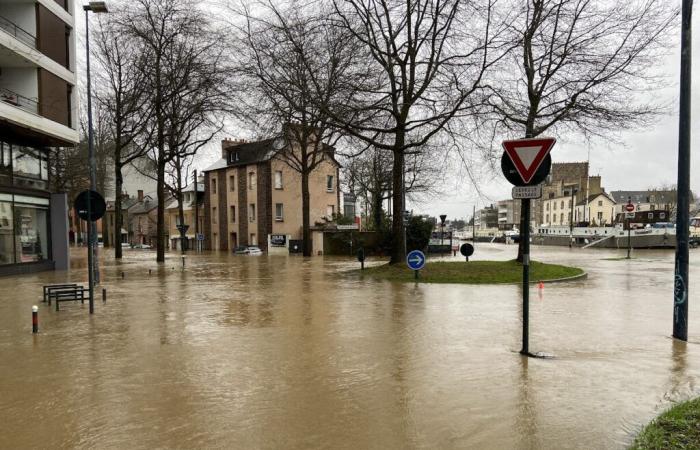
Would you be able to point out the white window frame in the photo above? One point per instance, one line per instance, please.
(279, 217)
(278, 180)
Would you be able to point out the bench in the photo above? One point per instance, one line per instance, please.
(67, 294)
(51, 287)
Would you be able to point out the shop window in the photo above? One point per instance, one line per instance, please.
(29, 167)
(31, 233)
(7, 246)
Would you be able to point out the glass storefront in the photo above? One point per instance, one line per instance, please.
(23, 229)
(23, 166)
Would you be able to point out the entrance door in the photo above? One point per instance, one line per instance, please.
(233, 243)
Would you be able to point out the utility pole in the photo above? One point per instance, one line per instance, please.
(680, 284)
(196, 212)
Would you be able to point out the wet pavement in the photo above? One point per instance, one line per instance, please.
(282, 352)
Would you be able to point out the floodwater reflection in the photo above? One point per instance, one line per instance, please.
(286, 352)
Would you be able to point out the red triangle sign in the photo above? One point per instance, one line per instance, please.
(527, 154)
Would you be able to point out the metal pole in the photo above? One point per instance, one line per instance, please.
(196, 212)
(629, 239)
(525, 236)
(403, 201)
(92, 228)
(680, 285)
(474, 225)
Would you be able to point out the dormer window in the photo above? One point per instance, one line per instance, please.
(233, 156)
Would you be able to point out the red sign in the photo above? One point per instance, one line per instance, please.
(629, 207)
(527, 154)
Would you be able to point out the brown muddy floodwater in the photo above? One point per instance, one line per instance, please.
(281, 352)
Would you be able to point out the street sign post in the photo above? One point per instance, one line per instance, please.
(522, 192)
(526, 162)
(361, 257)
(415, 261)
(629, 207)
(466, 250)
(90, 207)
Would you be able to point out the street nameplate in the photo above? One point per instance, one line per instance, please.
(629, 215)
(354, 226)
(521, 192)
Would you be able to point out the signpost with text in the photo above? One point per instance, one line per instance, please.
(526, 163)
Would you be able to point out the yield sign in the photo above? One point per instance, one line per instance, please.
(527, 154)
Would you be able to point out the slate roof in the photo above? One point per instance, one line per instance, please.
(641, 196)
(257, 152)
(148, 204)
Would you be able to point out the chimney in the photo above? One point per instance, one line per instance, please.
(140, 195)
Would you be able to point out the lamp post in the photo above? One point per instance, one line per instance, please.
(680, 285)
(93, 270)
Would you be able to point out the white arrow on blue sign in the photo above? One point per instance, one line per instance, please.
(415, 260)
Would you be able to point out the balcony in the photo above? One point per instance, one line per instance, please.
(19, 101)
(18, 33)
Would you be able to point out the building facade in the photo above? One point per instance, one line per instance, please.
(599, 210)
(508, 214)
(486, 218)
(143, 221)
(38, 114)
(190, 201)
(253, 197)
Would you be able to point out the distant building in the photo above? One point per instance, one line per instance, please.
(486, 218)
(649, 200)
(254, 197)
(599, 210)
(143, 219)
(568, 183)
(508, 214)
(173, 212)
(108, 221)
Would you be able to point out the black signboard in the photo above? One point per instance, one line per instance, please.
(278, 240)
(466, 250)
(97, 206)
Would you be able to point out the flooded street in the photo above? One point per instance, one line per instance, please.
(282, 352)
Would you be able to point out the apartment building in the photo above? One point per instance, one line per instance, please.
(253, 197)
(508, 214)
(38, 114)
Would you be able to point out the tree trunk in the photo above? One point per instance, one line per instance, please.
(377, 200)
(397, 247)
(160, 225)
(118, 183)
(306, 219)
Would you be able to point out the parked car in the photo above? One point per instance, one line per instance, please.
(240, 250)
(254, 250)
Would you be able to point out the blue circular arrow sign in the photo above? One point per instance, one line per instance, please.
(415, 260)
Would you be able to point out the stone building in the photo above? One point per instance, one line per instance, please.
(254, 197)
(569, 183)
(173, 212)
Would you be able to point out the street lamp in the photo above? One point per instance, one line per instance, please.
(95, 7)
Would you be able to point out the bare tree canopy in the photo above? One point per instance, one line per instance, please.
(425, 63)
(290, 61)
(577, 65)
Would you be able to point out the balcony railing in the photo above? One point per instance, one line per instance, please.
(17, 32)
(19, 101)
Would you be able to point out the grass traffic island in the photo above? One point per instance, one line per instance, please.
(473, 272)
(677, 428)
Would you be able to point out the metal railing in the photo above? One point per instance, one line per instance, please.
(19, 101)
(17, 32)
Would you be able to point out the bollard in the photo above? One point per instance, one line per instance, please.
(122, 275)
(183, 261)
(149, 271)
(35, 318)
(104, 295)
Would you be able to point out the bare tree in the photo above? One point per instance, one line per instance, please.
(577, 65)
(185, 77)
(280, 49)
(426, 63)
(123, 98)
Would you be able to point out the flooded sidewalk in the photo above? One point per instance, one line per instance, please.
(285, 352)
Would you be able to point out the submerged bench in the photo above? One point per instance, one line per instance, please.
(65, 293)
(52, 287)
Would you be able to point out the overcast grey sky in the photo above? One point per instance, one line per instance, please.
(643, 159)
